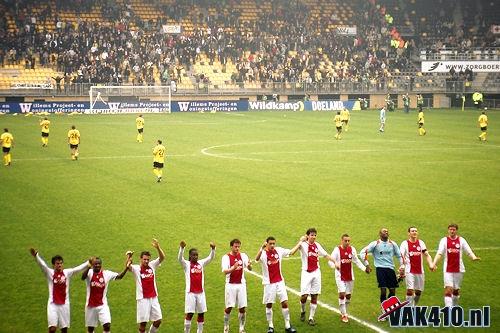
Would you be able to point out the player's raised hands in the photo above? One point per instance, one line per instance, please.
(129, 254)
(212, 245)
(264, 245)
(33, 252)
(155, 243)
(303, 238)
(182, 244)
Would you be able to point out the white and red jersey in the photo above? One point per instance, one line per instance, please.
(271, 264)
(412, 253)
(145, 279)
(451, 250)
(345, 257)
(97, 287)
(309, 254)
(237, 276)
(195, 279)
(59, 281)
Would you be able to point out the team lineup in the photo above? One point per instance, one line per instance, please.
(409, 254)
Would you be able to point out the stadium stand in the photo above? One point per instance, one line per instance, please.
(239, 44)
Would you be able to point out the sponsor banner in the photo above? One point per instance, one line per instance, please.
(446, 66)
(51, 107)
(328, 105)
(171, 29)
(276, 106)
(31, 86)
(129, 107)
(208, 106)
(346, 30)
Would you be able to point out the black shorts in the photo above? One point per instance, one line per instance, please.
(420, 125)
(345, 121)
(140, 130)
(73, 146)
(339, 128)
(386, 278)
(483, 129)
(157, 165)
(6, 149)
(45, 135)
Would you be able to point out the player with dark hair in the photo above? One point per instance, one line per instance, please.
(343, 257)
(233, 265)
(58, 278)
(310, 277)
(270, 257)
(97, 282)
(7, 142)
(146, 293)
(74, 141)
(45, 125)
(158, 160)
(451, 248)
(139, 123)
(195, 300)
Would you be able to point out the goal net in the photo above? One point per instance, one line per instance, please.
(130, 99)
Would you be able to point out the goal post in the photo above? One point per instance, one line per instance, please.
(130, 99)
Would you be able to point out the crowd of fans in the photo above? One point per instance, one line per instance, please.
(282, 45)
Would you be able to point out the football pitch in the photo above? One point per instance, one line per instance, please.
(244, 175)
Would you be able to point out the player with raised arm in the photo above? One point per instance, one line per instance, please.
(45, 125)
(270, 257)
(58, 278)
(343, 256)
(383, 251)
(146, 293)
(412, 251)
(139, 123)
(97, 282)
(74, 141)
(158, 160)
(451, 248)
(233, 265)
(7, 142)
(195, 300)
(310, 277)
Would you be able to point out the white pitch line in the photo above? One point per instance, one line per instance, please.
(331, 308)
(99, 157)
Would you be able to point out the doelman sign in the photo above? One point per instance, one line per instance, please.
(446, 66)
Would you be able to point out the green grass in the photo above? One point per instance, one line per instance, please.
(273, 173)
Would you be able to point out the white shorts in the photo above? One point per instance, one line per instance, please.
(274, 289)
(236, 295)
(58, 315)
(415, 281)
(310, 282)
(96, 315)
(344, 286)
(148, 309)
(195, 303)
(453, 280)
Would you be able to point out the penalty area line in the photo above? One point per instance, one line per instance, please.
(331, 308)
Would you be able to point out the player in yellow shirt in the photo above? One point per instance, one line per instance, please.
(420, 122)
(483, 124)
(139, 123)
(338, 125)
(7, 141)
(45, 124)
(158, 160)
(345, 116)
(74, 141)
